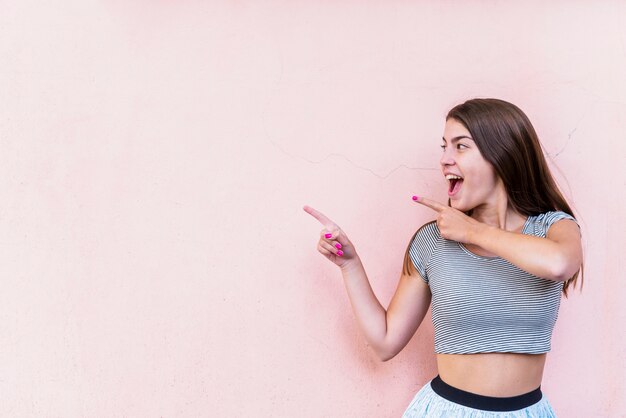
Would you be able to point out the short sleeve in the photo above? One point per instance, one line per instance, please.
(549, 218)
(422, 246)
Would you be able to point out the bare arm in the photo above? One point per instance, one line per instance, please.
(387, 332)
(556, 257)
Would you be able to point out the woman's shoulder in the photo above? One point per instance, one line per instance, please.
(429, 229)
(427, 233)
(421, 247)
(540, 223)
(551, 216)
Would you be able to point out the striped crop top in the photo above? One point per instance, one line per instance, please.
(486, 304)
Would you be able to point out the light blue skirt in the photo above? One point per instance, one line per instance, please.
(428, 404)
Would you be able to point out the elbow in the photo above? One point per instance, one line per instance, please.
(385, 356)
(564, 268)
(385, 353)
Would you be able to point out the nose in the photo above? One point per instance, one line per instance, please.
(446, 158)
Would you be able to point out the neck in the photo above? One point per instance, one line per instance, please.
(500, 214)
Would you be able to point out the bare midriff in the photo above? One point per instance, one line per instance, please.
(492, 374)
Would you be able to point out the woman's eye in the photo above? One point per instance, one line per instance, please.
(458, 146)
(443, 147)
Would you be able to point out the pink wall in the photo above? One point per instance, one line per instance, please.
(155, 158)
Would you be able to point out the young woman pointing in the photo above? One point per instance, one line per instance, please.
(493, 265)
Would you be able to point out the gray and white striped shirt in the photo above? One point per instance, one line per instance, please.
(486, 304)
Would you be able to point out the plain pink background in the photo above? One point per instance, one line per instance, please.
(155, 157)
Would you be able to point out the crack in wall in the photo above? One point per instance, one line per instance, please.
(352, 163)
(569, 137)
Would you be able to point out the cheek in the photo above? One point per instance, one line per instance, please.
(480, 184)
(486, 177)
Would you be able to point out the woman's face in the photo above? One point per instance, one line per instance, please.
(472, 181)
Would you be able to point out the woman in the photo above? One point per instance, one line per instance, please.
(493, 264)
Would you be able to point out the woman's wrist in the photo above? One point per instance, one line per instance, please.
(351, 265)
(477, 233)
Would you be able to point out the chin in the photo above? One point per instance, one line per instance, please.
(455, 204)
(459, 206)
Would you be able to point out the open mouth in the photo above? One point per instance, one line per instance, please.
(454, 184)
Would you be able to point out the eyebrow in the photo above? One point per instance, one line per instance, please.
(456, 138)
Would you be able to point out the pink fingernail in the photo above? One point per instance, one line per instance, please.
(339, 253)
(415, 198)
(328, 235)
(338, 245)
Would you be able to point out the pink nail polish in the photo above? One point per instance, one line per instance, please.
(415, 198)
(338, 245)
(328, 235)
(340, 253)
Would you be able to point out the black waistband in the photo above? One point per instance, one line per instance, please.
(486, 403)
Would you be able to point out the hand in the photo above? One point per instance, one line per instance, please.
(334, 243)
(452, 223)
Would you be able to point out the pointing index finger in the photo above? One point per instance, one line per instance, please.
(434, 205)
(319, 216)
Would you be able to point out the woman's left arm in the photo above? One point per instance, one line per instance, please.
(557, 257)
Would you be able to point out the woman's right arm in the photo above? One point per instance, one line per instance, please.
(387, 331)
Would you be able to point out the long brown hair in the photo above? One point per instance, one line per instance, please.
(507, 140)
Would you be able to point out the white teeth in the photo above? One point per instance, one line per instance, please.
(452, 177)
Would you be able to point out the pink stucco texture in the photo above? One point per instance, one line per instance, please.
(155, 156)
